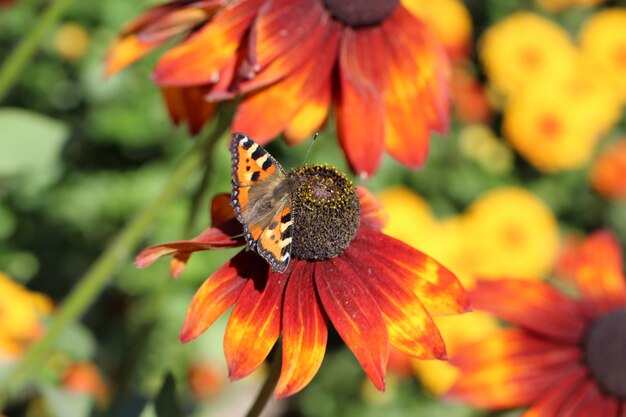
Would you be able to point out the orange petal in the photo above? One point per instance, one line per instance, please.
(512, 369)
(175, 102)
(411, 329)
(372, 213)
(200, 59)
(189, 104)
(414, 98)
(254, 324)
(561, 393)
(287, 96)
(217, 294)
(533, 305)
(285, 35)
(310, 117)
(221, 210)
(437, 288)
(125, 51)
(304, 332)
(599, 271)
(355, 315)
(359, 108)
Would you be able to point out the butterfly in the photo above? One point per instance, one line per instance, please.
(261, 199)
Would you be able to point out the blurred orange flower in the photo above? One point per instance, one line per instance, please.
(20, 313)
(85, 378)
(290, 59)
(565, 356)
(377, 293)
(608, 173)
(603, 43)
(523, 47)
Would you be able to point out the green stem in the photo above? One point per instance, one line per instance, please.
(270, 383)
(14, 65)
(118, 252)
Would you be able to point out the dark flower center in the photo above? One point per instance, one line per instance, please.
(361, 12)
(605, 348)
(326, 212)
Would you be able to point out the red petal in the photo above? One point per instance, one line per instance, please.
(437, 288)
(359, 108)
(414, 99)
(372, 212)
(189, 104)
(254, 324)
(533, 305)
(411, 329)
(221, 210)
(211, 238)
(553, 399)
(511, 369)
(217, 294)
(285, 36)
(201, 58)
(304, 332)
(355, 315)
(287, 96)
(599, 271)
(588, 401)
(174, 100)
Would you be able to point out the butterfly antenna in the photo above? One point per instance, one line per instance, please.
(310, 146)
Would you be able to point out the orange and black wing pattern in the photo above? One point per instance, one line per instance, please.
(267, 231)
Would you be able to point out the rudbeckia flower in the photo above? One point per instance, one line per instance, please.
(564, 356)
(377, 292)
(290, 59)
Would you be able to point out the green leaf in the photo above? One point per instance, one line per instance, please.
(29, 142)
(166, 403)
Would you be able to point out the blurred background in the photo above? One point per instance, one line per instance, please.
(535, 160)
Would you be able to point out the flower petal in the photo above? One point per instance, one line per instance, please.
(221, 210)
(200, 59)
(189, 104)
(310, 117)
(254, 324)
(551, 402)
(599, 272)
(533, 305)
(210, 238)
(287, 96)
(361, 77)
(125, 51)
(372, 212)
(304, 332)
(437, 288)
(586, 401)
(416, 97)
(285, 36)
(217, 294)
(411, 329)
(511, 369)
(356, 316)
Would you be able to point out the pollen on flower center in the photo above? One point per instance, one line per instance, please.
(361, 12)
(605, 348)
(326, 212)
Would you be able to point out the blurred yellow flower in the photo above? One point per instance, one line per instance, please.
(20, 313)
(511, 233)
(603, 43)
(608, 173)
(523, 47)
(449, 19)
(457, 331)
(71, 41)
(556, 124)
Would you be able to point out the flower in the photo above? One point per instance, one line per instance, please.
(603, 42)
(608, 173)
(565, 356)
(523, 47)
(378, 292)
(20, 313)
(556, 124)
(374, 61)
(85, 378)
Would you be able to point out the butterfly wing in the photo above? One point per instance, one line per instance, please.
(261, 200)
